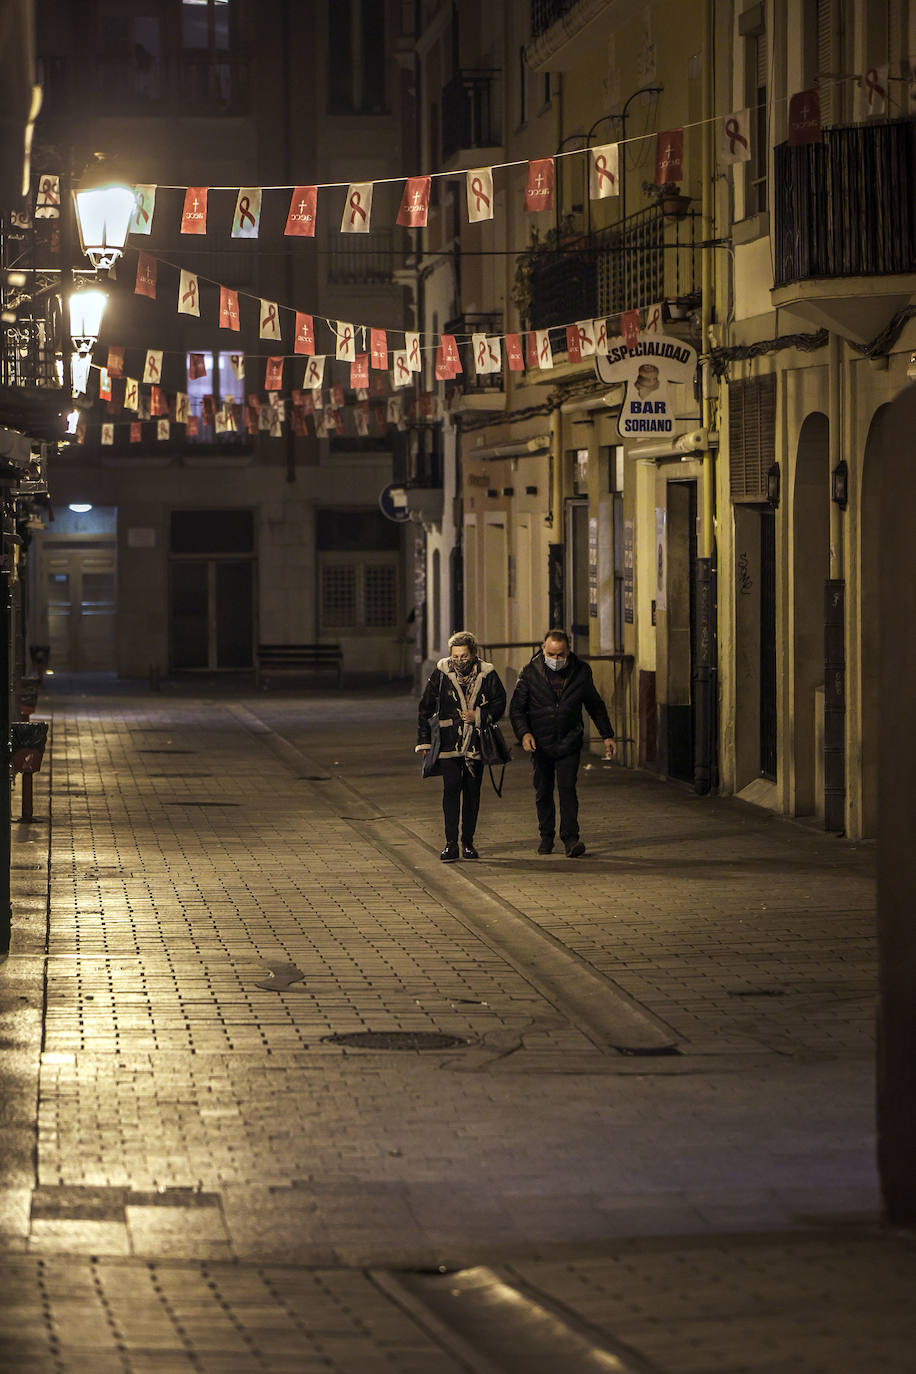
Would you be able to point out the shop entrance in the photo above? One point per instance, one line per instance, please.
(681, 621)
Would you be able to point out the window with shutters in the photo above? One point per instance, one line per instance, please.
(756, 59)
(825, 57)
(751, 436)
(358, 592)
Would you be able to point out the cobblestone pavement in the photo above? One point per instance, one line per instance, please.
(649, 1108)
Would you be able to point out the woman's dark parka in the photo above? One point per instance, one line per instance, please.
(554, 719)
(445, 695)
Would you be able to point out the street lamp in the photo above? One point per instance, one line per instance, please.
(86, 309)
(103, 215)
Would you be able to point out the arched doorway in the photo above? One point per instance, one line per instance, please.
(869, 624)
(811, 562)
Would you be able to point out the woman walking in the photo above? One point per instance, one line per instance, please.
(463, 692)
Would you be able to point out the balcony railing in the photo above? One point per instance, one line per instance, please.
(645, 259)
(469, 117)
(547, 12)
(844, 207)
(362, 260)
(462, 327)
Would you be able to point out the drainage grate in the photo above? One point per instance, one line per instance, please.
(166, 751)
(396, 1040)
(756, 992)
(201, 803)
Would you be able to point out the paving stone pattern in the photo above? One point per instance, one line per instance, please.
(215, 1177)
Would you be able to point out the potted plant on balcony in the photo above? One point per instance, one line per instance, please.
(537, 256)
(674, 204)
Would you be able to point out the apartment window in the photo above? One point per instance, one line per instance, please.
(522, 86)
(205, 25)
(357, 57)
(756, 56)
(215, 386)
(358, 591)
(130, 57)
(825, 59)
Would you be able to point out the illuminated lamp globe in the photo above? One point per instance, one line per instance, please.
(103, 215)
(86, 310)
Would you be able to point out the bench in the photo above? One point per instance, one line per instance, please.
(298, 658)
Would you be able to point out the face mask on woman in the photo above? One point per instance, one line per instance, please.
(465, 667)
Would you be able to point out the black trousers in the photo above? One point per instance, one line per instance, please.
(548, 771)
(460, 798)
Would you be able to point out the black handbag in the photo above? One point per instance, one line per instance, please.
(431, 768)
(494, 752)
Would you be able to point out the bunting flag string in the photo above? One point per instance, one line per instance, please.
(873, 97)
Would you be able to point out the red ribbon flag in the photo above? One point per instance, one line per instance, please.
(197, 366)
(669, 157)
(539, 186)
(303, 212)
(531, 350)
(378, 347)
(573, 344)
(514, 353)
(414, 203)
(115, 361)
(135, 431)
(804, 118)
(359, 371)
(305, 334)
(228, 309)
(273, 375)
(629, 327)
(146, 276)
(194, 215)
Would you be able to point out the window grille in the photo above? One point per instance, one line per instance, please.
(380, 594)
(338, 596)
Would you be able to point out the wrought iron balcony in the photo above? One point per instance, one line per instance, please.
(646, 258)
(469, 116)
(845, 206)
(547, 12)
(475, 383)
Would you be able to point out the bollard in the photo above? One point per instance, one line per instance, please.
(27, 749)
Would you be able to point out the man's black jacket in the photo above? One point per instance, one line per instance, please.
(556, 721)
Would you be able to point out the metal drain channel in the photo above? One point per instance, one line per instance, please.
(495, 1326)
(396, 1040)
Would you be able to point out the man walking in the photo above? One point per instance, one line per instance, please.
(546, 715)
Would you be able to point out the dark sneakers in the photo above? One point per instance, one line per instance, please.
(574, 849)
(449, 854)
(546, 845)
(468, 851)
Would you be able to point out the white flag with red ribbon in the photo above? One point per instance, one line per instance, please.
(270, 320)
(131, 393)
(142, 219)
(412, 349)
(107, 434)
(871, 96)
(357, 208)
(152, 371)
(237, 363)
(47, 198)
(401, 374)
(543, 349)
(188, 303)
(480, 194)
(182, 407)
(735, 138)
(602, 172)
(599, 328)
(654, 319)
(162, 429)
(314, 372)
(246, 221)
(345, 350)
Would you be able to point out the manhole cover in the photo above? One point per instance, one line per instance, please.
(396, 1040)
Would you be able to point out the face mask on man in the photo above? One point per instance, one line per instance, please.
(556, 665)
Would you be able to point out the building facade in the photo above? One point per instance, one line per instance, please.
(719, 575)
(202, 545)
